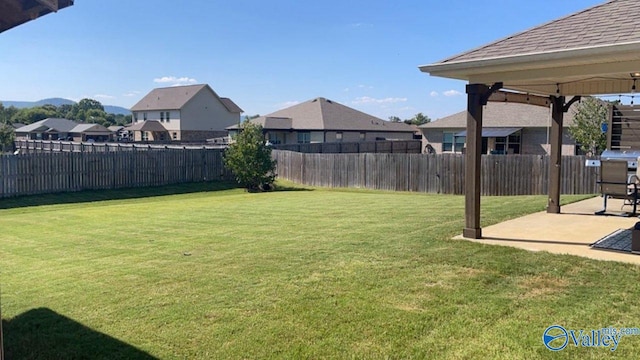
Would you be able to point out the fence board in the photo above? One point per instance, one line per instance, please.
(441, 173)
(57, 171)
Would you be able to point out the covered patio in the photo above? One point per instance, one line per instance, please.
(592, 52)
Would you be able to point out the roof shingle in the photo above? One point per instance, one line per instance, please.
(616, 24)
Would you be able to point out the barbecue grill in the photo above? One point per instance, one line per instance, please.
(631, 156)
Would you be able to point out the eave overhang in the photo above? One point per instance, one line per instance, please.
(594, 70)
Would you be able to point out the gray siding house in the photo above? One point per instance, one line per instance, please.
(508, 128)
(322, 120)
(183, 113)
(63, 129)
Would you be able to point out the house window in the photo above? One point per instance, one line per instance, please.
(304, 137)
(508, 144)
(363, 136)
(144, 116)
(513, 143)
(161, 116)
(145, 136)
(339, 136)
(452, 143)
(273, 138)
(135, 117)
(174, 135)
(167, 116)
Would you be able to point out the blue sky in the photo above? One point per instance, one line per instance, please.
(265, 55)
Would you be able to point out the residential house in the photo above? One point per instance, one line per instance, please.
(323, 120)
(183, 113)
(508, 128)
(63, 129)
(46, 129)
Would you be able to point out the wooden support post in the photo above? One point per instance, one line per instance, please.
(555, 163)
(558, 108)
(477, 95)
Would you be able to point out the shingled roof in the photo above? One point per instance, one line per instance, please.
(16, 12)
(176, 97)
(592, 52)
(614, 22)
(325, 114)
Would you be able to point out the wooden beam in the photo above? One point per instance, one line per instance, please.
(477, 94)
(513, 97)
(558, 108)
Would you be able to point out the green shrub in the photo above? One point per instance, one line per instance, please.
(249, 158)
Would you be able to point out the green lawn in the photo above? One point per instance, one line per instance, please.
(215, 272)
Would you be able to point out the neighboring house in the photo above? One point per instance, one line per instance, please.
(17, 125)
(183, 113)
(508, 128)
(90, 133)
(47, 129)
(63, 129)
(322, 120)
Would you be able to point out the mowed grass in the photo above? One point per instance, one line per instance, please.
(305, 273)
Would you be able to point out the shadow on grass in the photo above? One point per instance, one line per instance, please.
(45, 334)
(117, 194)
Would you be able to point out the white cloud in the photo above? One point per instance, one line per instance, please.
(452, 93)
(345, 89)
(365, 87)
(434, 93)
(175, 81)
(131, 93)
(103, 96)
(361, 25)
(370, 100)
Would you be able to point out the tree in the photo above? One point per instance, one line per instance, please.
(395, 119)
(7, 136)
(249, 158)
(418, 119)
(586, 129)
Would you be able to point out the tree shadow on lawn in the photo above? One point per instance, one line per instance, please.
(115, 194)
(44, 334)
(128, 193)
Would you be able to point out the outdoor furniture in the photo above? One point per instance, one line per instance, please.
(616, 183)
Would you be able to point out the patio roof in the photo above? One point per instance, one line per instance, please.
(592, 52)
(16, 12)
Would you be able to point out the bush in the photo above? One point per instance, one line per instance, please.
(249, 158)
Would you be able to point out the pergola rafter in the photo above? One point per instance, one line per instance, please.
(541, 64)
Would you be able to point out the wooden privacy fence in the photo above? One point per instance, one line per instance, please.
(74, 171)
(45, 146)
(441, 173)
(381, 146)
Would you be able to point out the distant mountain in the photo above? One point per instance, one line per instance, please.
(111, 109)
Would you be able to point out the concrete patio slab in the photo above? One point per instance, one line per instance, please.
(571, 232)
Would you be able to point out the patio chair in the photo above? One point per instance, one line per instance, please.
(616, 183)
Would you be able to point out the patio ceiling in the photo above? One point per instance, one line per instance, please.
(592, 52)
(16, 12)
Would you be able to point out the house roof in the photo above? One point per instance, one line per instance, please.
(616, 24)
(115, 128)
(49, 125)
(90, 128)
(591, 52)
(149, 125)
(324, 114)
(231, 106)
(16, 12)
(504, 115)
(176, 97)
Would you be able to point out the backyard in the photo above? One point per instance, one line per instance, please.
(215, 272)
